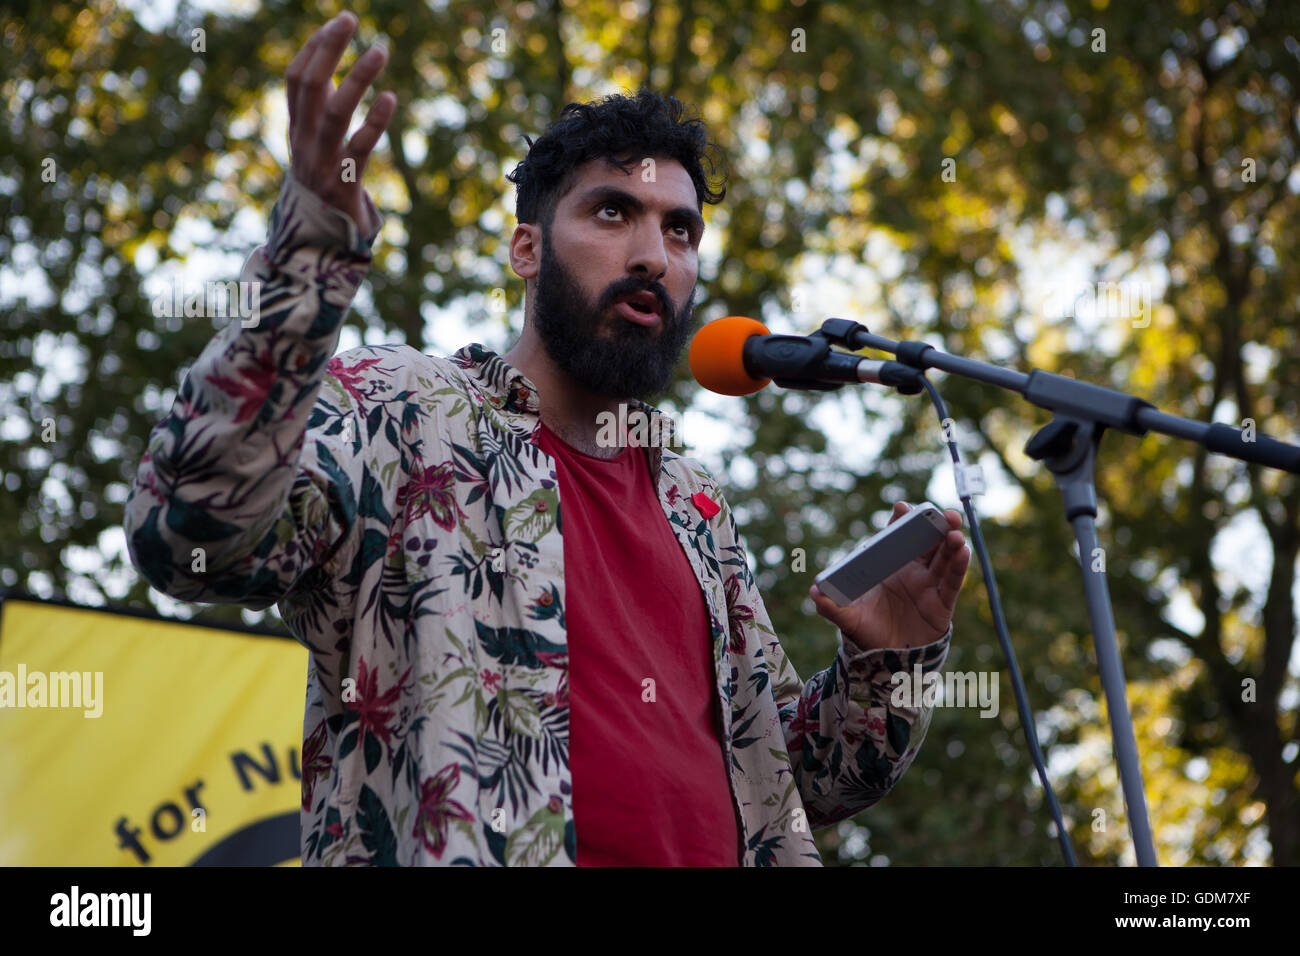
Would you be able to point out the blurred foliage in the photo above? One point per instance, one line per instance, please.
(1161, 140)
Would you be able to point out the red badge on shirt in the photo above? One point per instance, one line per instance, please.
(708, 507)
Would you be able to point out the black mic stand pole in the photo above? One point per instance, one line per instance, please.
(1068, 444)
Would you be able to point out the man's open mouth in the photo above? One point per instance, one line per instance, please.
(646, 303)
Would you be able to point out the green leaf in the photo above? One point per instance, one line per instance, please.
(524, 522)
(537, 841)
(521, 713)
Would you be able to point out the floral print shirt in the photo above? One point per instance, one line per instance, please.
(397, 508)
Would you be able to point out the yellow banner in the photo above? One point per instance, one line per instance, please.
(132, 741)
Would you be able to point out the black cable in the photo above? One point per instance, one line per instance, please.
(999, 622)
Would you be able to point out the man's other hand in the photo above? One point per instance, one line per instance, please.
(914, 605)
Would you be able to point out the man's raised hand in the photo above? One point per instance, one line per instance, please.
(319, 117)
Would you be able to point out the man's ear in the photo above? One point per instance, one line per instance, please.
(526, 250)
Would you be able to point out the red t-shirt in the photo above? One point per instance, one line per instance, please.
(650, 782)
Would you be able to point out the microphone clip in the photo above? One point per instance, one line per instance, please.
(841, 332)
(821, 349)
(803, 356)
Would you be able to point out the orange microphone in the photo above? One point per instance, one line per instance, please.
(718, 356)
(739, 356)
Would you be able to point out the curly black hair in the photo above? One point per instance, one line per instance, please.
(623, 130)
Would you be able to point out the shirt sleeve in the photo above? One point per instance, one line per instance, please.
(249, 481)
(849, 735)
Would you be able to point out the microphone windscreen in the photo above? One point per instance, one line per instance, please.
(718, 355)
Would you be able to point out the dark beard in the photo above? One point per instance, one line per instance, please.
(629, 360)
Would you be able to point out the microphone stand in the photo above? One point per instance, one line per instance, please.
(1068, 445)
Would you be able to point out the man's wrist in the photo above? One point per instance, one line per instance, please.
(855, 648)
(302, 218)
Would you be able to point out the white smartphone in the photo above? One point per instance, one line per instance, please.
(883, 553)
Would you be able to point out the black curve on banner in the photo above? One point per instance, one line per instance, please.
(264, 843)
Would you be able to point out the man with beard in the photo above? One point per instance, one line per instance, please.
(526, 647)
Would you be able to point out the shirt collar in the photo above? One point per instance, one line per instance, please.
(515, 395)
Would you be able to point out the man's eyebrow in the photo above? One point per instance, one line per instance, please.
(614, 194)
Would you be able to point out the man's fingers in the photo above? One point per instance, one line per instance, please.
(314, 87)
(377, 120)
(950, 585)
(343, 103)
(828, 608)
(945, 550)
(325, 59)
(948, 569)
(293, 75)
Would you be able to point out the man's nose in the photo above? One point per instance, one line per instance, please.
(648, 258)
